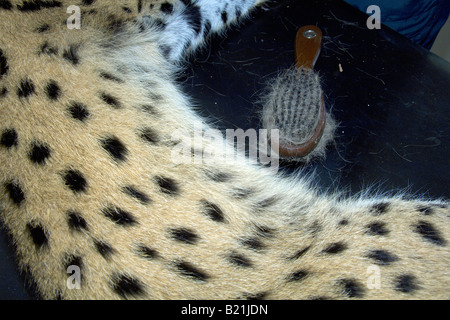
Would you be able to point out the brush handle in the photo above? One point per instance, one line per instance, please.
(307, 46)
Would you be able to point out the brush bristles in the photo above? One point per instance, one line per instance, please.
(292, 106)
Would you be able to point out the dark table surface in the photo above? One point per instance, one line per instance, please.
(390, 97)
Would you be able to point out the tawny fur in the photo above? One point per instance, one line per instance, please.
(210, 230)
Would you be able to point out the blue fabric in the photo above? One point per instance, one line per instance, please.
(419, 20)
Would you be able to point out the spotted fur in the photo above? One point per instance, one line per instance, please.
(88, 179)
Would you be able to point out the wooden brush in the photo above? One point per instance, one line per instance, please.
(294, 104)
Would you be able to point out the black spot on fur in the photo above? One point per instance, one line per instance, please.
(167, 185)
(343, 222)
(173, 142)
(334, 248)
(382, 257)
(154, 96)
(239, 260)
(52, 90)
(167, 8)
(3, 64)
(318, 298)
(71, 54)
(315, 228)
(406, 283)
(5, 5)
(183, 235)
(119, 216)
(115, 148)
(104, 249)
(47, 49)
(298, 275)
(188, 270)
(224, 16)
(425, 210)
(377, 229)
(75, 181)
(115, 24)
(429, 233)
(149, 135)
(39, 152)
(9, 138)
(351, 288)
(78, 111)
(241, 193)
(265, 232)
(299, 254)
(43, 28)
(255, 296)
(151, 110)
(126, 286)
(147, 253)
(135, 193)
(3, 92)
(218, 176)
(15, 193)
(72, 260)
(213, 211)
(26, 88)
(76, 222)
(193, 17)
(252, 243)
(139, 6)
(38, 235)
(110, 100)
(380, 208)
(35, 5)
(109, 76)
(267, 202)
(87, 2)
(165, 50)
